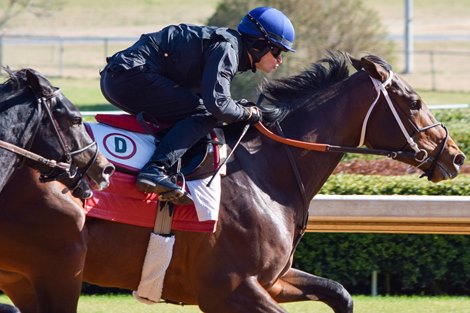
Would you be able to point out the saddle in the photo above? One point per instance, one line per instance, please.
(128, 144)
(129, 141)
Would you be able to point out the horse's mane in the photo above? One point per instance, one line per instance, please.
(14, 84)
(289, 94)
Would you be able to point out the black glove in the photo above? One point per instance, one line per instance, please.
(253, 115)
(245, 103)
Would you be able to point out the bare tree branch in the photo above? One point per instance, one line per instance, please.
(9, 9)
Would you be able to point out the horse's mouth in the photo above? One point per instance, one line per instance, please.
(445, 172)
(85, 187)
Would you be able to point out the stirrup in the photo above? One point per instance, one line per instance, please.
(179, 197)
(149, 186)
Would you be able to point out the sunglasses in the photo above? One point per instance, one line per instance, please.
(276, 51)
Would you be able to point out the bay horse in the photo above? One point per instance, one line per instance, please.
(42, 128)
(246, 264)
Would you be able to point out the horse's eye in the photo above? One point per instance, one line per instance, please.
(415, 105)
(77, 120)
(58, 110)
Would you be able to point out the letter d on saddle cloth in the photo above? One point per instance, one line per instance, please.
(128, 142)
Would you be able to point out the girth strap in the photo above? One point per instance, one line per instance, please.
(301, 223)
(164, 218)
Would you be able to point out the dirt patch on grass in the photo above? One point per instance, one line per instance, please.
(381, 167)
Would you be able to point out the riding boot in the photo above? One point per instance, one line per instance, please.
(154, 177)
(183, 135)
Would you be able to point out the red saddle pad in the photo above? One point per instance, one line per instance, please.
(122, 202)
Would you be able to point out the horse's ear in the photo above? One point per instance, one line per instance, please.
(373, 69)
(355, 62)
(8, 70)
(38, 84)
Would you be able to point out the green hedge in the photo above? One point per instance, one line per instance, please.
(351, 184)
(407, 264)
(458, 123)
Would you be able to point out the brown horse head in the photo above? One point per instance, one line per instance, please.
(400, 109)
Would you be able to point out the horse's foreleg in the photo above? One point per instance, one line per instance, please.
(58, 279)
(248, 296)
(296, 285)
(18, 288)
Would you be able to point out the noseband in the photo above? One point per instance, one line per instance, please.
(420, 155)
(68, 167)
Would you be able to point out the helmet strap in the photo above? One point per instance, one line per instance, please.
(257, 48)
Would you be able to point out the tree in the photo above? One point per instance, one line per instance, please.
(9, 9)
(320, 25)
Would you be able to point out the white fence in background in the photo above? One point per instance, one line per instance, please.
(449, 106)
(390, 214)
(63, 56)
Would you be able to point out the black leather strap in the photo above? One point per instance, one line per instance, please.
(301, 223)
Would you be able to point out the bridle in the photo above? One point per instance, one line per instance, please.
(420, 155)
(66, 167)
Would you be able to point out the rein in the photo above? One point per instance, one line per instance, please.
(312, 146)
(33, 156)
(381, 89)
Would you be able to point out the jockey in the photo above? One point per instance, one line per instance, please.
(182, 74)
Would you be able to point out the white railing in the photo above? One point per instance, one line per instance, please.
(431, 106)
(83, 56)
(390, 214)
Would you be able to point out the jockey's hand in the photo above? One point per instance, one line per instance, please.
(245, 103)
(253, 115)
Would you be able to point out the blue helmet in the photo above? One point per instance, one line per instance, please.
(270, 24)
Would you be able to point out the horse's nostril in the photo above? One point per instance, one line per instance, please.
(109, 170)
(459, 159)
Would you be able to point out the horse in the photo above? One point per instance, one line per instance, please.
(312, 120)
(42, 128)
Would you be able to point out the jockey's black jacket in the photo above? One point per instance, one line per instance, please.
(202, 58)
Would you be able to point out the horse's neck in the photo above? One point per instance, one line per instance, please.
(7, 163)
(17, 127)
(336, 119)
(263, 169)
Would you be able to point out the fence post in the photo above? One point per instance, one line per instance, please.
(106, 47)
(408, 36)
(1, 54)
(433, 71)
(61, 57)
(374, 284)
